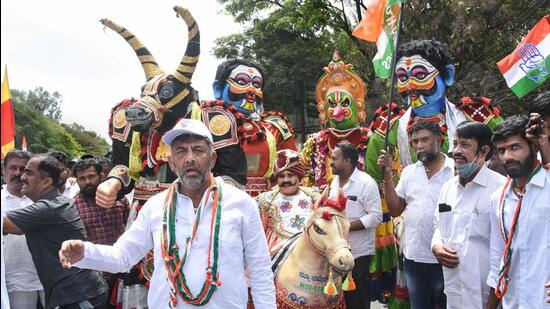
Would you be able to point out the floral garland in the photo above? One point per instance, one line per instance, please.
(170, 248)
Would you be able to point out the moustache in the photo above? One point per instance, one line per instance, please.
(287, 184)
(16, 179)
(511, 163)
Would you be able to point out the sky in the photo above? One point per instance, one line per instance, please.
(61, 46)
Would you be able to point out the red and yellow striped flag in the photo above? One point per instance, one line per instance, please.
(7, 117)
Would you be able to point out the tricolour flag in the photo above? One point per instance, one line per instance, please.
(380, 25)
(529, 65)
(24, 143)
(7, 117)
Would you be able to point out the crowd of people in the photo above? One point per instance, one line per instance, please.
(472, 237)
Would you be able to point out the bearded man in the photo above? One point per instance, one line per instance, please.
(103, 225)
(287, 206)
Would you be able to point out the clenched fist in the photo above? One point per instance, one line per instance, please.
(107, 191)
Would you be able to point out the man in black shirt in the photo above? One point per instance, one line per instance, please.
(48, 222)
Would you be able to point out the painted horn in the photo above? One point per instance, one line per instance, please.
(148, 62)
(188, 63)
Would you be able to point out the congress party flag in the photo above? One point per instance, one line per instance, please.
(528, 66)
(380, 25)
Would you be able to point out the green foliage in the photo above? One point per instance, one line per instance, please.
(44, 133)
(294, 40)
(42, 100)
(91, 142)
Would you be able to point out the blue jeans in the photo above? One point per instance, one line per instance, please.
(425, 284)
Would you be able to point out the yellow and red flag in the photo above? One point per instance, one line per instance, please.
(7, 117)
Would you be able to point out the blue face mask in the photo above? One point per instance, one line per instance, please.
(467, 169)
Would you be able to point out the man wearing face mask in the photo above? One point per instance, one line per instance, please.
(462, 225)
(416, 197)
(103, 225)
(286, 207)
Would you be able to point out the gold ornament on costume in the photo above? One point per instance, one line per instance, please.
(339, 75)
(219, 125)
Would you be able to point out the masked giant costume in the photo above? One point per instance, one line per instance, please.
(283, 215)
(424, 71)
(340, 95)
(136, 128)
(246, 138)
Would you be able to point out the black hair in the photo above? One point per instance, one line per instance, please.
(16, 154)
(87, 163)
(513, 125)
(478, 131)
(428, 125)
(437, 53)
(48, 166)
(60, 156)
(541, 104)
(349, 151)
(225, 68)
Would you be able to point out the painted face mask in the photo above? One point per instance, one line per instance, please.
(342, 111)
(421, 85)
(243, 89)
(340, 95)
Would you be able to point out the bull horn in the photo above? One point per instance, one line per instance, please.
(148, 62)
(188, 63)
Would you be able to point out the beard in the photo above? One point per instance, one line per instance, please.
(426, 157)
(192, 182)
(88, 192)
(517, 169)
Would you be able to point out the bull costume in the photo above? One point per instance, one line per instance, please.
(424, 71)
(246, 138)
(340, 95)
(136, 128)
(284, 215)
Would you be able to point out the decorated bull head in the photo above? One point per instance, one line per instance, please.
(424, 70)
(340, 95)
(165, 97)
(327, 229)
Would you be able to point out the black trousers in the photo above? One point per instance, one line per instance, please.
(360, 297)
(97, 302)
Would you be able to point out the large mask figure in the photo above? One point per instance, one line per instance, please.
(243, 88)
(246, 138)
(340, 95)
(136, 128)
(424, 71)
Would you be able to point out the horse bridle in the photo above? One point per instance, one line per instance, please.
(340, 244)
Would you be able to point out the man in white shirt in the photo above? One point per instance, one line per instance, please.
(462, 225)
(24, 287)
(520, 215)
(416, 198)
(202, 231)
(364, 212)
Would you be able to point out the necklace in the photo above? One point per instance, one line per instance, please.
(170, 248)
(506, 261)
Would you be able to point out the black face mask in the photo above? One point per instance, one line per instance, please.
(88, 192)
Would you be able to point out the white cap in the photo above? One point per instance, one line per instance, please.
(187, 126)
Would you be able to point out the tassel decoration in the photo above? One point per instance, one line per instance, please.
(349, 283)
(330, 288)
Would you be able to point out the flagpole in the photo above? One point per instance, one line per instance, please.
(392, 72)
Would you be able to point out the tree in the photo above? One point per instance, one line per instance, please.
(295, 39)
(42, 100)
(91, 142)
